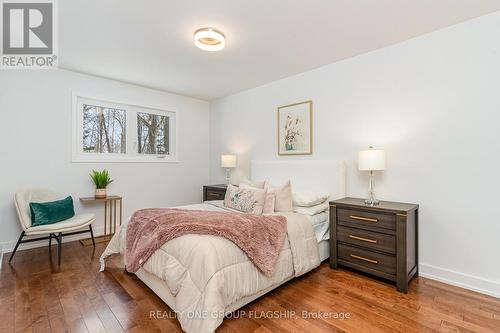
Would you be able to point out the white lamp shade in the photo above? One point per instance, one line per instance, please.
(228, 161)
(371, 160)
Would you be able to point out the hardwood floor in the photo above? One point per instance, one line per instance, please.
(35, 296)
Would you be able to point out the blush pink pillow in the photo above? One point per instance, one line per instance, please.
(283, 201)
(269, 203)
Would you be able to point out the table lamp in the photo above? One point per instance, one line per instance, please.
(228, 162)
(371, 160)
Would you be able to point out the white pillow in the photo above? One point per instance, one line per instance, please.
(268, 202)
(256, 184)
(313, 210)
(283, 202)
(318, 218)
(308, 199)
(246, 200)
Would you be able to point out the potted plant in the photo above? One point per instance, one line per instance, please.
(101, 180)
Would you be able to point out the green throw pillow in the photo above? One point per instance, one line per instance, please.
(51, 212)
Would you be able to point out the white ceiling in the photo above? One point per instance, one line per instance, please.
(150, 42)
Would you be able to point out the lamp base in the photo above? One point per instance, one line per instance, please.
(372, 202)
(371, 190)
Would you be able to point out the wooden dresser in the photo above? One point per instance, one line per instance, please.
(214, 192)
(380, 240)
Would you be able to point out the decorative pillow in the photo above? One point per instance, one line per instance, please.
(51, 212)
(256, 184)
(308, 199)
(268, 202)
(247, 200)
(283, 202)
(313, 210)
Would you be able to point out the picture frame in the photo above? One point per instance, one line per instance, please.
(295, 129)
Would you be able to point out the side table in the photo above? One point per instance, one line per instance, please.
(109, 211)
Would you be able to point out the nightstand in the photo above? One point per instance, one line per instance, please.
(380, 240)
(214, 192)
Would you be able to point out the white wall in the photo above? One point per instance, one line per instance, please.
(35, 149)
(433, 103)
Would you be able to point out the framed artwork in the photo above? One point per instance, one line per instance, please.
(295, 129)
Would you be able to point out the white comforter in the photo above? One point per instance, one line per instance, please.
(207, 274)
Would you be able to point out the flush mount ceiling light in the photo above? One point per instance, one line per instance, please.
(209, 39)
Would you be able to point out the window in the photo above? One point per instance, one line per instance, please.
(152, 131)
(116, 132)
(104, 129)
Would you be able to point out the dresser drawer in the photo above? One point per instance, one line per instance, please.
(367, 239)
(212, 194)
(360, 218)
(365, 258)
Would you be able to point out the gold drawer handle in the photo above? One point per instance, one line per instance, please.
(354, 217)
(364, 259)
(363, 239)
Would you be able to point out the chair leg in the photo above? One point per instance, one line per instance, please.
(92, 234)
(50, 241)
(17, 245)
(59, 248)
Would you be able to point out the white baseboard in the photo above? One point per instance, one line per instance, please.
(481, 285)
(9, 246)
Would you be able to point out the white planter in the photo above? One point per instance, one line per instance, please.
(100, 193)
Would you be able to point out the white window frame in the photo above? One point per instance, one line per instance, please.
(131, 155)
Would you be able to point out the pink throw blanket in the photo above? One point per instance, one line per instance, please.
(260, 237)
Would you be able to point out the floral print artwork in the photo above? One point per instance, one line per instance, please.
(294, 129)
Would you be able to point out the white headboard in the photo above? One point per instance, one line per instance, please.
(305, 175)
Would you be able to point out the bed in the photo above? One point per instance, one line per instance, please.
(205, 277)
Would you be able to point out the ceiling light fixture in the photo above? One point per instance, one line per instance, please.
(209, 39)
